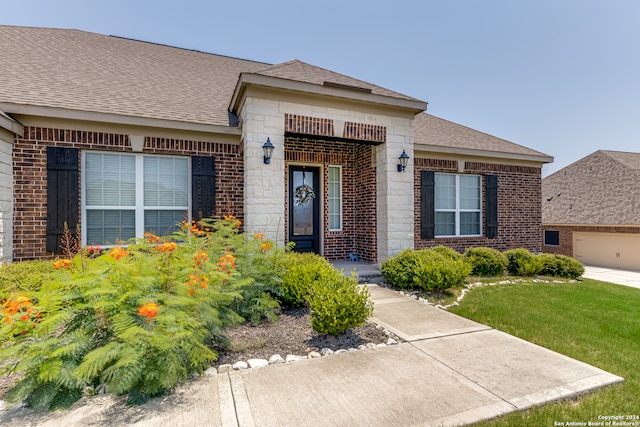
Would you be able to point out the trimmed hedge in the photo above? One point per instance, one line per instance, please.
(441, 268)
(429, 269)
(560, 266)
(486, 262)
(522, 263)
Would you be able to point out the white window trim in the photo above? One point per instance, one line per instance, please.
(329, 201)
(139, 205)
(457, 209)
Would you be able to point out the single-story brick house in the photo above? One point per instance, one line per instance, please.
(591, 210)
(122, 136)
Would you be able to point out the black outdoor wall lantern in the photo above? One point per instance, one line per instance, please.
(267, 148)
(404, 158)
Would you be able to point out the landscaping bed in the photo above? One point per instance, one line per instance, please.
(290, 334)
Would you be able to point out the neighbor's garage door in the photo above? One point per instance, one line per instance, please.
(608, 249)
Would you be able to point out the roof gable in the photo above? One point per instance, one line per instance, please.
(303, 72)
(602, 188)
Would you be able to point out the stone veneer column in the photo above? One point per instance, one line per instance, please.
(395, 204)
(264, 186)
(6, 197)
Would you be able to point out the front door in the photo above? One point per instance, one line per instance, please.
(304, 208)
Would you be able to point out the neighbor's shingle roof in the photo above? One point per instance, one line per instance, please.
(436, 132)
(601, 189)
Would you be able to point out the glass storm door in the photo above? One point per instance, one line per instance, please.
(304, 208)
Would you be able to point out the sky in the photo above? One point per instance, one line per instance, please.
(558, 76)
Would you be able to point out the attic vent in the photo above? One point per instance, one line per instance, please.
(348, 87)
(308, 125)
(365, 132)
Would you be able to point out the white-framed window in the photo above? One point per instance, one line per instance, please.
(126, 195)
(335, 198)
(458, 205)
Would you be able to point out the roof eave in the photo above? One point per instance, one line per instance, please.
(11, 125)
(65, 113)
(247, 79)
(541, 158)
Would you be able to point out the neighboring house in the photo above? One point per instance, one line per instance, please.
(122, 137)
(591, 210)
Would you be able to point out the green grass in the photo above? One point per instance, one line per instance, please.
(595, 322)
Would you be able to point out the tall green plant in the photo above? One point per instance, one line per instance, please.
(135, 320)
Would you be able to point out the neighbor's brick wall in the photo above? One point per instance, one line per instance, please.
(566, 235)
(519, 206)
(358, 233)
(30, 176)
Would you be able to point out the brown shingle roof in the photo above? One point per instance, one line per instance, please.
(78, 70)
(602, 188)
(431, 132)
(84, 71)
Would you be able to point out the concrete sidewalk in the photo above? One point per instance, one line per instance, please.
(451, 371)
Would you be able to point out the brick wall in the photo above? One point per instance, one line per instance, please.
(565, 234)
(358, 233)
(519, 206)
(30, 176)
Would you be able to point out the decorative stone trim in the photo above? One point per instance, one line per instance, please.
(290, 358)
(469, 287)
(365, 132)
(308, 125)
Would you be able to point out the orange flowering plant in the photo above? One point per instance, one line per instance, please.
(133, 319)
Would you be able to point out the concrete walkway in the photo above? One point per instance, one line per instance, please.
(450, 371)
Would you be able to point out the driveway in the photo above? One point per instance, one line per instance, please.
(613, 275)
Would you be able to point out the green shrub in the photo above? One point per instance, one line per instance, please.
(560, 266)
(486, 261)
(447, 251)
(136, 320)
(338, 304)
(436, 271)
(301, 273)
(522, 262)
(429, 269)
(399, 270)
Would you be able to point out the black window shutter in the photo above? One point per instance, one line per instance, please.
(63, 197)
(427, 205)
(492, 206)
(203, 187)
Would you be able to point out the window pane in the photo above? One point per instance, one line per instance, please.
(166, 181)
(163, 223)
(469, 223)
(445, 223)
(110, 226)
(469, 192)
(445, 191)
(110, 180)
(551, 238)
(335, 198)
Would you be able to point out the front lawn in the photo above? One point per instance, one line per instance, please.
(595, 322)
